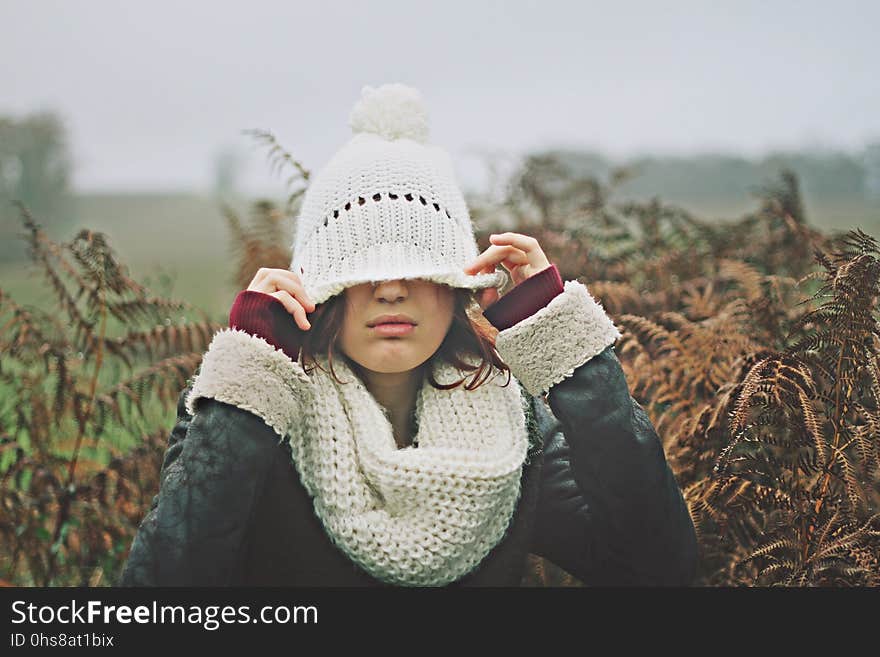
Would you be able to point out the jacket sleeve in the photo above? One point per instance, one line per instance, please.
(610, 510)
(241, 404)
(196, 531)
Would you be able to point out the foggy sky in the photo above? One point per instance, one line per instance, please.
(151, 92)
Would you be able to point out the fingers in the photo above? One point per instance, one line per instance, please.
(535, 256)
(294, 308)
(287, 287)
(509, 256)
(269, 281)
(525, 242)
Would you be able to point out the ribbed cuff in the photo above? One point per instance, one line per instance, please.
(264, 316)
(525, 299)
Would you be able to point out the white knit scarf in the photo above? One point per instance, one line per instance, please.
(412, 516)
(416, 516)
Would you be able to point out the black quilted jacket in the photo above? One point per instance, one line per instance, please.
(599, 500)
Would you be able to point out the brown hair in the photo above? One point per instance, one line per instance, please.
(470, 334)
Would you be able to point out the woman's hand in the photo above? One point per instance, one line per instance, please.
(520, 254)
(287, 287)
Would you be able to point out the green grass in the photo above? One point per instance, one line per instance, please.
(176, 245)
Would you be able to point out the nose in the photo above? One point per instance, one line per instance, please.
(391, 290)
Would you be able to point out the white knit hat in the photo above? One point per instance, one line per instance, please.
(386, 205)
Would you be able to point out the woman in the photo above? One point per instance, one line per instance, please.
(357, 424)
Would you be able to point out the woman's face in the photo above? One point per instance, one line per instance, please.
(397, 347)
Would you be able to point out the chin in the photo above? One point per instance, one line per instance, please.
(393, 359)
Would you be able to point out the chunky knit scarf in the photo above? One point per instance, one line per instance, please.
(423, 515)
(416, 516)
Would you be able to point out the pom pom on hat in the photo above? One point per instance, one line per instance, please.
(392, 111)
(387, 205)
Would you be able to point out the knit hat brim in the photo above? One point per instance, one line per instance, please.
(322, 292)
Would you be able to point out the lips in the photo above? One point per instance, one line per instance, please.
(394, 330)
(392, 319)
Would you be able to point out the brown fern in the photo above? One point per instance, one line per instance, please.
(77, 394)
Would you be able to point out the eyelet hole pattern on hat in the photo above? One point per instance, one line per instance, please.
(378, 197)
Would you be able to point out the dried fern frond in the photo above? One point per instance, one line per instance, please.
(63, 388)
(279, 159)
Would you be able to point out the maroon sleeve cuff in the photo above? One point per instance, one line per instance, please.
(525, 299)
(266, 317)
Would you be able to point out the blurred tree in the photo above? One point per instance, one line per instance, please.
(35, 167)
(872, 170)
(227, 173)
